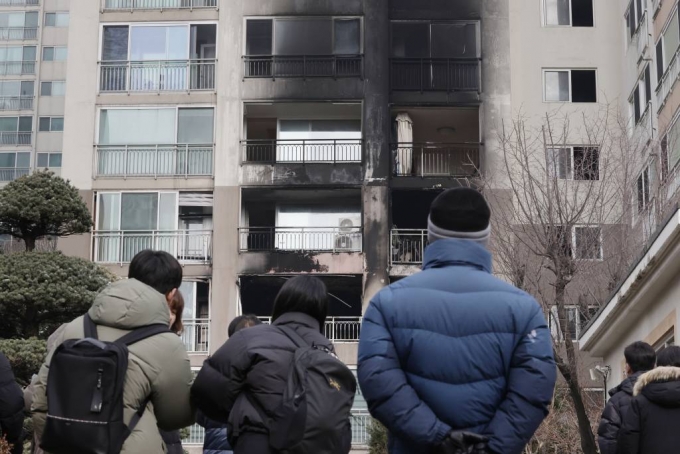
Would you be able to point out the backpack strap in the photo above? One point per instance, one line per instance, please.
(135, 418)
(90, 327)
(291, 334)
(143, 333)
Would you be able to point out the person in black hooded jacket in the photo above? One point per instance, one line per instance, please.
(650, 426)
(640, 358)
(11, 407)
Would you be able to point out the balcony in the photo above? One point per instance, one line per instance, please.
(16, 68)
(330, 151)
(336, 329)
(154, 161)
(309, 239)
(16, 103)
(196, 436)
(435, 160)
(12, 173)
(157, 4)
(15, 138)
(157, 76)
(19, 2)
(408, 246)
(435, 74)
(361, 421)
(303, 66)
(119, 247)
(196, 335)
(18, 33)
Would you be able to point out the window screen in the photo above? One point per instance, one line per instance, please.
(115, 43)
(259, 37)
(303, 37)
(347, 37)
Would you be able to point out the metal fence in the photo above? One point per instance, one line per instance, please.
(196, 436)
(18, 33)
(287, 66)
(360, 425)
(15, 138)
(9, 245)
(337, 329)
(435, 74)
(315, 239)
(330, 151)
(157, 76)
(435, 159)
(154, 160)
(15, 68)
(158, 4)
(194, 246)
(12, 173)
(408, 246)
(16, 103)
(196, 335)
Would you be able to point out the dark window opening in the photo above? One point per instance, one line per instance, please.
(588, 243)
(582, 13)
(659, 60)
(586, 163)
(559, 240)
(636, 104)
(664, 158)
(259, 37)
(648, 85)
(583, 85)
(643, 190)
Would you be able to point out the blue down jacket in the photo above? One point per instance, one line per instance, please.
(215, 441)
(452, 347)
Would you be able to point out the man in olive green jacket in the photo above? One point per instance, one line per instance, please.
(157, 367)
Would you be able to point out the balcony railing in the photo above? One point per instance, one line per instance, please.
(337, 329)
(196, 335)
(16, 103)
(15, 138)
(18, 33)
(435, 160)
(154, 161)
(12, 173)
(189, 246)
(19, 2)
(361, 422)
(158, 4)
(667, 82)
(16, 68)
(304, 66)
(408, 246)
(196, 436)
(313, 239)
(330, 151)
(157, 76)
(435, 74)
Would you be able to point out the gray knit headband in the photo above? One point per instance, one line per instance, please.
(434, 233)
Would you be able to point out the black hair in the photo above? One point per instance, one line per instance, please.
(242, 321)
(157, 269)
(640, 356)
(306, 294)
(669, 356)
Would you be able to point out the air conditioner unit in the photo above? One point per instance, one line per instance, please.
(343, 241)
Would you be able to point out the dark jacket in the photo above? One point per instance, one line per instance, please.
(215, 441)
(650, 426)
(610, 424)
(254, 360)
(454, 347)
(173, 442)
(11, 407)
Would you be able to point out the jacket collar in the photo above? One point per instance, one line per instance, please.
(660, 374)
(626, 385)
(298, 318)
(455, 252)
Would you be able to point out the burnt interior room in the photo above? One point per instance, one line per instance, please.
(410, 208)
(259, 292)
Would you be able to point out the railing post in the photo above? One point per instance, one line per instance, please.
(335, 151)
(128, 76)
(155, 168)
(125, 163)
(448, 75)
(422, 162)
(304, 66)
(422, 76)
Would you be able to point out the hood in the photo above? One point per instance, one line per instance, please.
(456, 252)
(660, 386)
(129, 304)
(626, 385)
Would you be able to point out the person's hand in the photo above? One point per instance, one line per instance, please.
(460, 442)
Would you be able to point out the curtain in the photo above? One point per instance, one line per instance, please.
(404, 164)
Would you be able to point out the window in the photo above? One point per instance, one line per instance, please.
(55, 53)
(643, 190)
(574, 163)
(577, 13)
(14, 160)
(634, 16)
(16, 88)
(16, 130)
(436, 40)
(587, 243)
(668, 340)
(303, 36)
(56, 19)
(51, 124)
(667, 45)
(48, 160)
(18, 54)
(641, 97)
(53, 88)
(670, 145)
(560, 240)
(18, 20)
(570, 85)
(577, 319)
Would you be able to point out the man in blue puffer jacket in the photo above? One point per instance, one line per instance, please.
(452, 359)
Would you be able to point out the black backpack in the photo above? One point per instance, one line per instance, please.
(314, 415)
(85, 393)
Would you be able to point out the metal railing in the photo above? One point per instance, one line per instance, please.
(408, 246)
(13, 245)
(667, 82)
(12, 173)
(18, 33)
(16, 102)
(361, 422)
(19, 2)
(157, 76)
(192, 246)
(330, 151)
(196, 335)
(15, 138)
(435, 74)
(285, 66)
(15, 68)
(435, 159)
(337, 329)
(157, 4)
(314, 239)
(196, 436)
(154, 160)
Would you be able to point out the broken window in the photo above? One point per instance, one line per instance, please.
(643, 190)
(570, 85)
(577, 13)
(587, 243)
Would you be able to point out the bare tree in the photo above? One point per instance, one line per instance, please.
(562, 214)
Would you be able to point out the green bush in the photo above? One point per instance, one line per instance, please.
(377, 438)
(25, 356)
